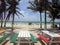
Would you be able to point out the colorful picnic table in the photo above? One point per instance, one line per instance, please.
(52, 36)
(25, 34)
(2, 31)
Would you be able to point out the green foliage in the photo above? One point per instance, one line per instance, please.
(10, 7)
(54, 9)
(36, 5)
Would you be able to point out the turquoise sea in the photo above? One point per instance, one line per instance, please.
(26, 22)
(23, 22)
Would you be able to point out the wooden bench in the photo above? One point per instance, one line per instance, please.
(14, 38)
(46, 40)
(33, 39)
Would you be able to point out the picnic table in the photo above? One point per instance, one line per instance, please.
(53, 36)
(25, 34)
(2, 31)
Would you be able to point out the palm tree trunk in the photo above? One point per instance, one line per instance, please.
(1, 23)
(4, 20)
(12, 22)
(12, 33)
(59, 25)
(52, 23)
(40, 21)
(45, 20)
(5, 23)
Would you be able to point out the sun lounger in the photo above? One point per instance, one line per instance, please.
(14, 38)
(33, 39)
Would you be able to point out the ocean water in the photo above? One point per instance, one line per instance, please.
(23, 22)
(26, 22)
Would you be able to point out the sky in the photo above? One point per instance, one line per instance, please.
(29, 15)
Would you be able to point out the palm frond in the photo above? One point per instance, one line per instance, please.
(8, 8)
(51, 8)
(18, 8)
(32, 8)
(8, 16)
(20, 13)
(17, 15)
(32, 4)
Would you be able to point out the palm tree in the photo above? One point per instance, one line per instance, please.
(1, 11)
(53, 16)
(53, 10)
(36, 5)
(1, 19)
(58, 17)
(45, 3)
(4, 11)
(12, 10)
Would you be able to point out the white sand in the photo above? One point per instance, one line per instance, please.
(26, 26)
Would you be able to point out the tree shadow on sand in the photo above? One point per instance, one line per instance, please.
(10, 28)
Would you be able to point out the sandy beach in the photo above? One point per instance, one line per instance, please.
(28, 27)
(34, 29)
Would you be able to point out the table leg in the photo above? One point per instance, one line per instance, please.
(18, 41)
(51, 41)
(29, 42)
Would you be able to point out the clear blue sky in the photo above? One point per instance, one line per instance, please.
(29, 15)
